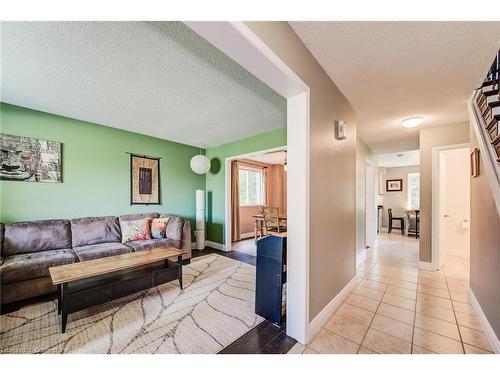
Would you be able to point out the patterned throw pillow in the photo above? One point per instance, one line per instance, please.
(134, 230)
(158, 227)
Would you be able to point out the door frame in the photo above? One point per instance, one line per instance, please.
(227, 191)
(436, 258)
(371, 242)
(237, 41)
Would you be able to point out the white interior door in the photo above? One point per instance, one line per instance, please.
(370, 207)
(454, 203)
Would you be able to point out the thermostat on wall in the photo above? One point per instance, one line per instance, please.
(340, 130)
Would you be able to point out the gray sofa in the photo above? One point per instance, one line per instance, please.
(29, 248)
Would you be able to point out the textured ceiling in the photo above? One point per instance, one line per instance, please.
(159, 79)
(399, 159)
(393, 70)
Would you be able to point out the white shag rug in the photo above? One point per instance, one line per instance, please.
(215, 307)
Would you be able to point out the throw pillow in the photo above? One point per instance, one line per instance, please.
(133, 230)
(158, 227)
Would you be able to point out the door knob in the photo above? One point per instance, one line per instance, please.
(446, 215)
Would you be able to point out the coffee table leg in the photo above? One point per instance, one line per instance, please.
(179, 261)
(59, 299)
(64, 312)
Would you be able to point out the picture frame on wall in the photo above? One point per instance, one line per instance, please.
(144, 180)
(474, 162)
(394, 185)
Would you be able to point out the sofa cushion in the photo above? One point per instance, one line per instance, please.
(101, 250)
(94, 230)
(135, 230)
(34, 265)
(158, 227)
(150, 215)
(33, 236)
(174, 227)
(153, 244)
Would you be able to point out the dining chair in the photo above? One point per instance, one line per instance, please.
(401, 222)
(417, 223)
(272, 220)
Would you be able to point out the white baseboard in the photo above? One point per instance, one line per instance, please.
(488, 330)
(320, 319)
(216, 245)
(426, 266)
(360, 256)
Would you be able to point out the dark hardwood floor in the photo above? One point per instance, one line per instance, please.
(265, 338)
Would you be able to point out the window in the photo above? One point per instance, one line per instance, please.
(252, 190)
(413, 191)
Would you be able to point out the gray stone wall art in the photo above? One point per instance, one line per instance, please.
(30, 159)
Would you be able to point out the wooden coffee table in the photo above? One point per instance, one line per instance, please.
(86, 284)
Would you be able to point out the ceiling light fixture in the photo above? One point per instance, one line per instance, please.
(412, 122)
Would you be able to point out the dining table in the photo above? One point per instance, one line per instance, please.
(258, 225)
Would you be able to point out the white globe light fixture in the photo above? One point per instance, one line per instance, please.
(200, 164)
(412, 122)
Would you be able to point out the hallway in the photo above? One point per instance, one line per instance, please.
(398, 309)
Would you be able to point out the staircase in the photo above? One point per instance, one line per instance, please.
(484, 109)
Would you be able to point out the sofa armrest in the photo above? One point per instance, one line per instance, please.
(186, 239)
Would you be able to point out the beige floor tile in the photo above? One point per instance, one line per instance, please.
(411, 294)
(436, 312)
(475, 338)
(330, 343)
(363, 350)
(346, 328)
(418, 350)
(374, 285)
(379, 278)
(473, 350)
(469, 321)
(355, 313)
(382, 271)
(460, 282)
(436, 276)
(443, 293)
(368, 293)
(403, 284)
(398, 301)
(298, 348)
(433, 284)
(427, 299)
(459, 297)
(458, 289)
(385, 344)
(309, 351)
(392, 327)
(439, 326)
(363, 302)
(397, 313)
(436, 343)
(405, 277)
(463, 308)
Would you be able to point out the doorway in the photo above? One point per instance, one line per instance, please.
(451, 207)
(370, 204)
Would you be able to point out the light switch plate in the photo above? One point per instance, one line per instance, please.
(340, 130)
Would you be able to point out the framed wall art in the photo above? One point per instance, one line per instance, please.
(29, 159)
(144, 180)
(394, 185)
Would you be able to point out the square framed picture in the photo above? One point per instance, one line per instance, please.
(144, 180)
(394, 185)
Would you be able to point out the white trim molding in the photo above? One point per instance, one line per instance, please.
(320, 320)
(488, 330)
(216, 245)
(427, 266)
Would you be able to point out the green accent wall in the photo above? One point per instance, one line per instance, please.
(96, 170)
(216, 177)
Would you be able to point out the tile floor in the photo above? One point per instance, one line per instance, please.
(245, 246)
(396, 308)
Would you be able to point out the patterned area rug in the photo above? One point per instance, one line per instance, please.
(215, 307)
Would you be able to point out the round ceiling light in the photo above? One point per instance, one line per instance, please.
(200, 164)
(412, 122)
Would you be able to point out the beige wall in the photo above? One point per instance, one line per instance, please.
(332, 246)
(397, 200)
(485, 246)
(363, 153)
(429, 138)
